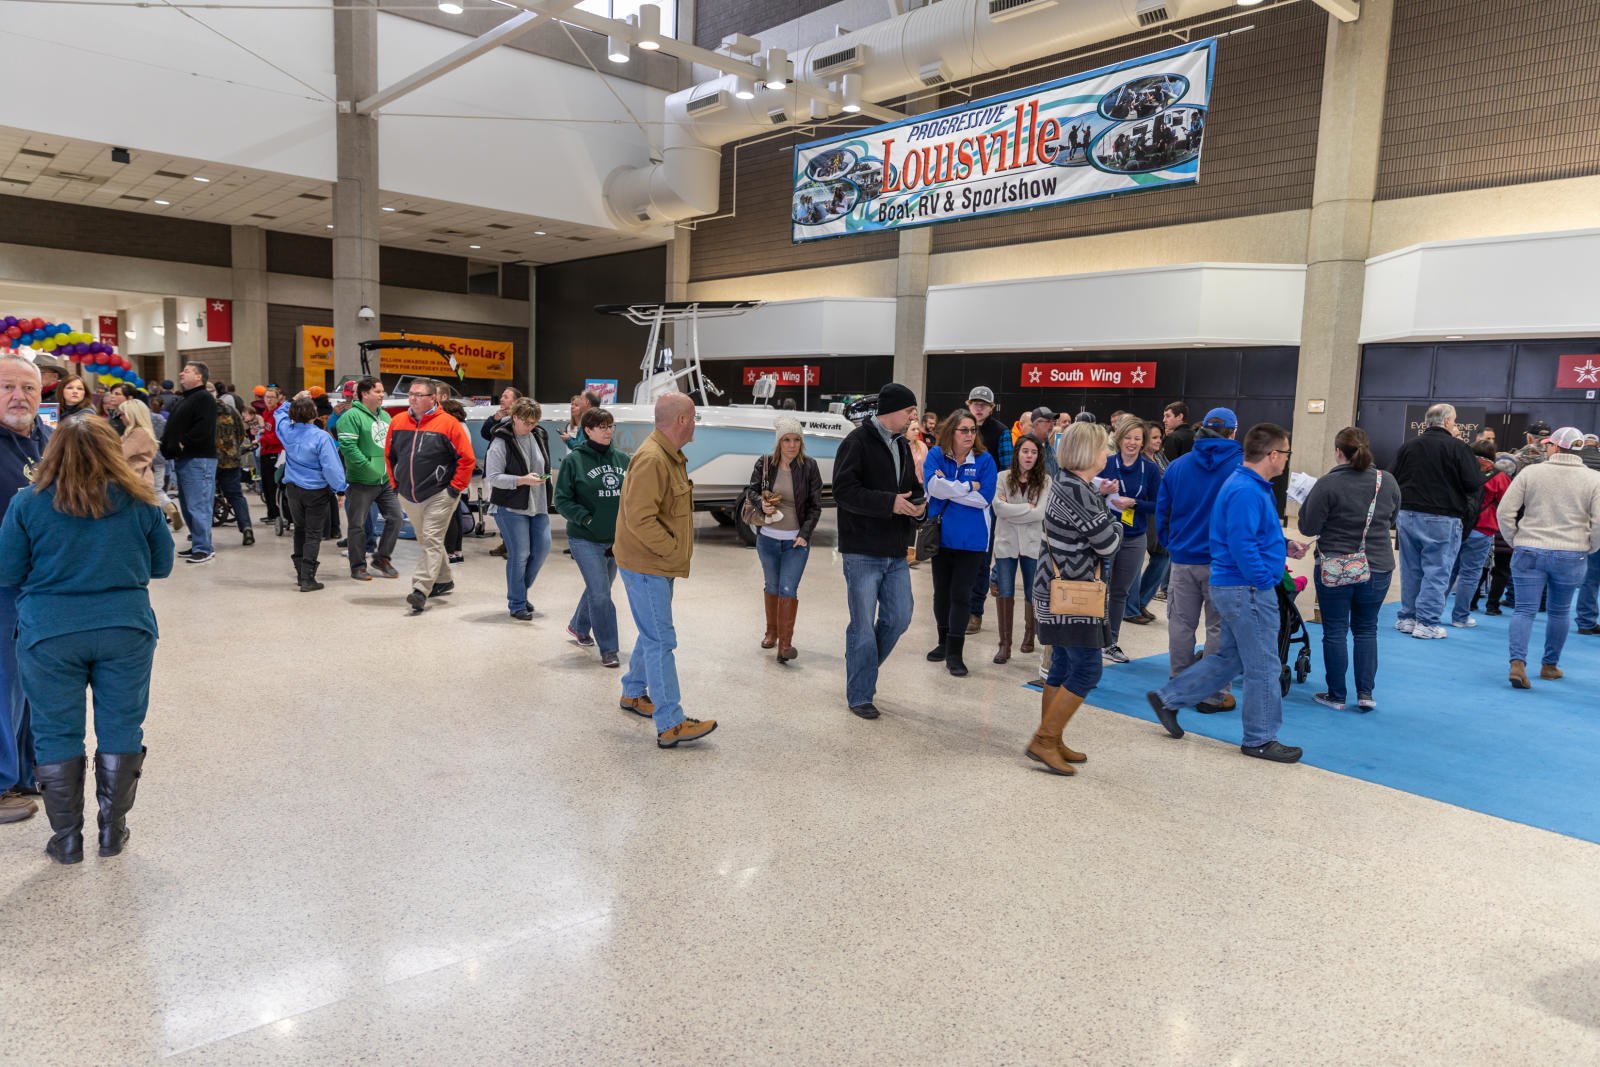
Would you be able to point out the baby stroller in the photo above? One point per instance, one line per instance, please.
(1291, 632)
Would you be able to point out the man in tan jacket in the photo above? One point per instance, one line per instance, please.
(655, 538)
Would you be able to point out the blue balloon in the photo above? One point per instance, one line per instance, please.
(58, 329)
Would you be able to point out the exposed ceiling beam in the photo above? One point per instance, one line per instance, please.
(1343, 10)
(514, 27)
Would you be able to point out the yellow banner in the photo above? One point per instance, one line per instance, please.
(478, 359)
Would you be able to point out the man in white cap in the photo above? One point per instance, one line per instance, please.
(1550, 516)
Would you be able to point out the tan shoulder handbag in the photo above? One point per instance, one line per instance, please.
(1084, 600)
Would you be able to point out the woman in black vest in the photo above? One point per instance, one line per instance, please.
(517, 471)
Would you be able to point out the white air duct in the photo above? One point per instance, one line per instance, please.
(958, 39)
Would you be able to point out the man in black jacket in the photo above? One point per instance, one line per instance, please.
(190, 441)
(1178, 436)
(878, 490)
(1438, 477)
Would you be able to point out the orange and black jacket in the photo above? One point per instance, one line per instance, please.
(429, 456)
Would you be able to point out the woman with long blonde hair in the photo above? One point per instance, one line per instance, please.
(81, 545)
(143, 453)
(787, 487)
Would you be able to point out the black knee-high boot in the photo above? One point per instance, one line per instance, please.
(116, 779)
(61, 789)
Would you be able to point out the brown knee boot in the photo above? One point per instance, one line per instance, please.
(787, 606)
(770, 638)
(1045, 746)
(1005, 609)
(1070, 703)
(1027, 626)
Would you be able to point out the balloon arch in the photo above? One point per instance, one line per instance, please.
(97, 361)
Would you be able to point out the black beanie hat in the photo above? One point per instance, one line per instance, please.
(895, 397)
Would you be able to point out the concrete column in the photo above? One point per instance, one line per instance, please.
(911, 311)
(1349, 137)
(249, 307)
(169, 338)
(355, 193)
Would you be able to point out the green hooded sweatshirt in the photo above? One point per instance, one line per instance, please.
(362, 434)
(589, 490)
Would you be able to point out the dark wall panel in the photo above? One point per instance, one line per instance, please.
(422, 270)
(1490, 92)
(573, 343)
(49, 224)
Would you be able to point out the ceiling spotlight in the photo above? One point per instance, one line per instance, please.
(330, 225)
(1455, 337)
(450, 7)
(131, 334)
(164, 203)
(474, 246)
(538, 233)
(183, 325)
(649, 27)
(745, 89)
(391, 209)
(161, 331)
(202, 181)
(616, 50)
(852, 94)
(777, 68)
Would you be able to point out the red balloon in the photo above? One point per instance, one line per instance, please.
(37, 324)
(13, 331)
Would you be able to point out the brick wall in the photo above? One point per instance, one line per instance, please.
(1490, 92)
(49, 224)
(715, 19)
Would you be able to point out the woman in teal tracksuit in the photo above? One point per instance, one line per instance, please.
(960, 477)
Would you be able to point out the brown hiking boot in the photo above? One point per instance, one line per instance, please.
(1073, 702)
(1549, 672)
(639, 705)
(687, 730)
(1211, 707)
(974, 624)
(1519, 675)
(770, 638)
(15, 808)
(1045, 746)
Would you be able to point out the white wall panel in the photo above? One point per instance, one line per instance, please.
(827, 327)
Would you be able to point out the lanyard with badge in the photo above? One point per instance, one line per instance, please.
(1127, 512)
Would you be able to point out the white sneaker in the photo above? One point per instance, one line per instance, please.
(1469, 624)
(1405, 626)
(1424, 632)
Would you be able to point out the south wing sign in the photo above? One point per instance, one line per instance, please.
(1120, 129)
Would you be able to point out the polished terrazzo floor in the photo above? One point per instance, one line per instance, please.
(367, 838)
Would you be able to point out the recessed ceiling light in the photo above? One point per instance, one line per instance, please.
(390, 209)
(1199, 344)
(538, 233)
(330, 225)
(203, 181)
(1454, 337)
(474, 246)
(164, 203)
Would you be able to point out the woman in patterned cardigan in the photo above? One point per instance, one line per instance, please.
(1080, 538)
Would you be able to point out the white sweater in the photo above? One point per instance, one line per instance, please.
(1560, 504)
(1019, 526)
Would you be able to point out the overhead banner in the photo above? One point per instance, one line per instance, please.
(1089, 375)
(479, 359)
(1120, 129)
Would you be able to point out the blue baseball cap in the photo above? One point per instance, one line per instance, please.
(1221, 419)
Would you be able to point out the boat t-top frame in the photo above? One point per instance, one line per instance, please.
(654, 380)
(367, 347)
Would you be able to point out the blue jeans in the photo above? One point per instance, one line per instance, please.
(1077, 669)
(1154, 579)
(11, 698)
(197, 489)
(1556, 576)
(651, 668)
(878, 589)
(1428, 545)
(1346, 610)
(115, 662)
(782, 564)
(228, 480)
(1248, 643)
(1005, 574)
(1589, 595)
(527, 540)
(596, 613)
(1475, 552)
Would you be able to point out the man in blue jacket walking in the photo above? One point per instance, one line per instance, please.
(1183, 523)
(1247, 561)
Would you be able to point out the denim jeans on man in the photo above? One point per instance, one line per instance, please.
(652, 668)
(1475, 552)
(878, 589)
(228, 480)
(1428, 545)
(1248, 643)
(1078, 670)
(1555, 575)
(1588, 609)
(1005, 575)
(1351, 610)
(782, 564)
(11, 699)
(597, 612)
(527, 540)
(197, 489)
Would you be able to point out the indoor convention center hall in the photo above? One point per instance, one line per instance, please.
(866, 532)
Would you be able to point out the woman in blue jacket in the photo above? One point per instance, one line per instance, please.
(81, 545)
(313, 473)
(960, 477)
(1129, 482)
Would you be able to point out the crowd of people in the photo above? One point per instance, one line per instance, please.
(1099, 521)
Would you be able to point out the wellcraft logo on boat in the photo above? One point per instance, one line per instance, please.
(1124, 128)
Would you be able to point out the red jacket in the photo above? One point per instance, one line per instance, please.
(1493, 490)
(428, 456)
(268, 444)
